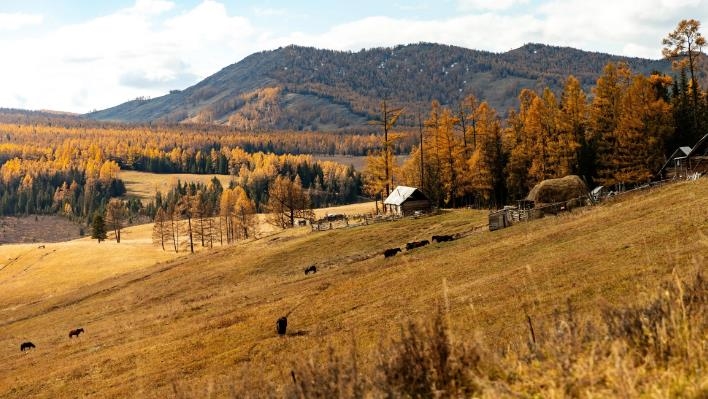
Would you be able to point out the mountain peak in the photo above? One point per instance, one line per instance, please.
(296, 87)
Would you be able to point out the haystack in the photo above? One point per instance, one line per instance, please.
(558, 190)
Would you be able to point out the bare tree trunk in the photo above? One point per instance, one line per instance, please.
(175, 234)
(221, 233)
(189, 229)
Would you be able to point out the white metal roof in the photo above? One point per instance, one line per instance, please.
(399, 195)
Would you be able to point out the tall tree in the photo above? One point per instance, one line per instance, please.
(605, 113)
(185, 208)
(116, 216)
(287, 200)
(487, 161)
(642, 128)
(389, 117)
(683, 112)
(244, 213)
(432, 160)
(175, 224)
(449, 152)
(98, 228)
(541, 128)
(160, 231)
(572, 125)
(226, 204)
(467, 118)
(518, 146)
(683, 46)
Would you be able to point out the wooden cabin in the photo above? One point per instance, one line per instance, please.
(687, 161)
(406, 201)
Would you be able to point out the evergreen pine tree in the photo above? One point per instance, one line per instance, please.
(98, 228)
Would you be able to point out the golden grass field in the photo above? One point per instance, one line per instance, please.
(159, 326)
(144, 185)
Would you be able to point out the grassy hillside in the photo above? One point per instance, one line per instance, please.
(192, 325)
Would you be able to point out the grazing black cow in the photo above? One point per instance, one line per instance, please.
(443, 238)
(75, 333)
(391, 252)
(416, 244)
(281, 325)
(311, 269)
(26, 345)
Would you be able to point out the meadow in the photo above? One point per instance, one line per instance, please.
(144, 185)
(203, 325)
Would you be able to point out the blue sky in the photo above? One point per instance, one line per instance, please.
(83, 55)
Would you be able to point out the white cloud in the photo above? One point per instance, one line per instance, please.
(616, 26)
(150, 7)
(269, 11)
(17, 21)
(486, 31)
(497, 5)
(144, 50)
(149, 48)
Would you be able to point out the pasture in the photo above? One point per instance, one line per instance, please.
(39, 228)
(144, 185)
(195, 325)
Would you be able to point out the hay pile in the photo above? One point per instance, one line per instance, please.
(557, 190)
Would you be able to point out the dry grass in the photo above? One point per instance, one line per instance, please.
(655, 349)
(196, 325)
(144, 185)
(38, 228)
(32, 273)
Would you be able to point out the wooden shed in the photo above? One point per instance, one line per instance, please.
(499, 220)
(686, 161)
(406, 201)
(675, 166)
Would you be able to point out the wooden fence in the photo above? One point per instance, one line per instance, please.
(363, 219)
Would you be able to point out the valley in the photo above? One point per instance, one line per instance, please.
(353, 201)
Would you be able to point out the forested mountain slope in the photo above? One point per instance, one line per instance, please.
(303, 88)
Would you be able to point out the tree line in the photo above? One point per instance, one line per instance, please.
(40, 187)
(210, 214)
(621, 136)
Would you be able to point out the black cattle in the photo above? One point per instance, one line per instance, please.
(391, 252)
(281, 325)
(443, 238)
(310, 269)
(75, 333)
(26, 345)
(416, 244)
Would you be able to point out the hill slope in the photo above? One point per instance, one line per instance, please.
(306, 88)
(199, 320)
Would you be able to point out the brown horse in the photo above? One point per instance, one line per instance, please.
(75, 333)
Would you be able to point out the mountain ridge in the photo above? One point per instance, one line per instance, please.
(304, 88)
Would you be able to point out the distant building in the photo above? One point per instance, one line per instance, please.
(687, 161)
(675, 165)
(406, 201)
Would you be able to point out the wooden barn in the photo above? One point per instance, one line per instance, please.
(686, 161)
(406, 201)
